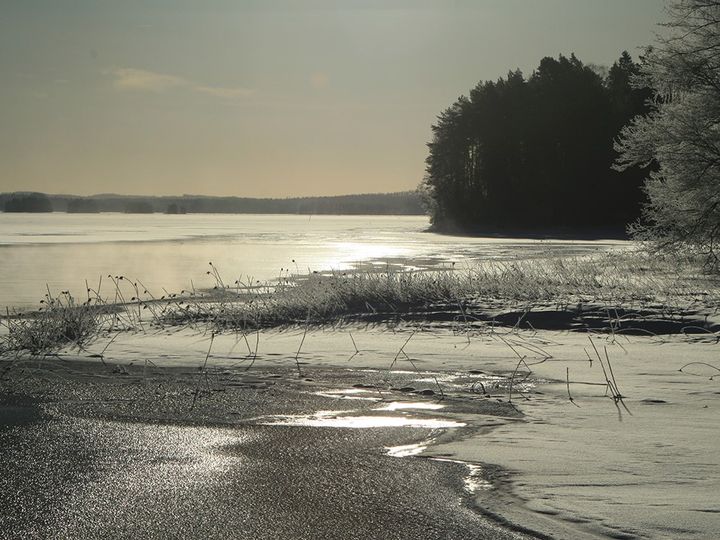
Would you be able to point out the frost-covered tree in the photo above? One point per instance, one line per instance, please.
(681, 137)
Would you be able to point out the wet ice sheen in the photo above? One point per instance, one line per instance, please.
(345, 419)
(407, 450)
(350, 393)
(171, 251)
(402, 405)
(473, 481)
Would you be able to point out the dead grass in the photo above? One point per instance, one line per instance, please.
(61, 321)
(612, 280)
(627, 279)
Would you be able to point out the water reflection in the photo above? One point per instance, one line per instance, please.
(350, 393)
(474, 481)
(407, 450)
(345, 419)
(401, 405)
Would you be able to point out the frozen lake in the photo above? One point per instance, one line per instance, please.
(171, 252)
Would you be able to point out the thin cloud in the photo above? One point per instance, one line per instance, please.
(149, 81)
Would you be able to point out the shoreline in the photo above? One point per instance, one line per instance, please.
(587, 234)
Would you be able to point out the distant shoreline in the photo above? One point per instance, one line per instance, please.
(400, 203)
(540, 233)
(116, 212)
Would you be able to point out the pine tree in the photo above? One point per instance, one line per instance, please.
(536, 154)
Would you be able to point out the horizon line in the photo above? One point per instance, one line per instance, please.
(189, 195)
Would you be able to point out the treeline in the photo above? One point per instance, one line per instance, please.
(536, 153)
(402, 203)
(26, 202)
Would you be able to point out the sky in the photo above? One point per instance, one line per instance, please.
(265, 98)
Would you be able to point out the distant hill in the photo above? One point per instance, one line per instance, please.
(402, 203)
(26, 202)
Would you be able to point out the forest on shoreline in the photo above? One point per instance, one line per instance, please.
(401, 203)
(537, 153)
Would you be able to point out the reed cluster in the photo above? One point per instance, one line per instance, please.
(612, 280)
(59, 322)
(625, 279)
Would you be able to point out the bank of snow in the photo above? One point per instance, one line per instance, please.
(567, 469)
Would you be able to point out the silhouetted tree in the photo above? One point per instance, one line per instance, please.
(82, 206)
(535, 153)
(28, 202)
(138, 207)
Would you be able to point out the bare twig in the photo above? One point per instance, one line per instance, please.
(568, 387)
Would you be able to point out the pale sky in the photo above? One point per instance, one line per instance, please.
(265, 98)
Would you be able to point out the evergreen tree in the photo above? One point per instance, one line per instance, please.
(28, 202)
(535, 153)
(82, 206)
